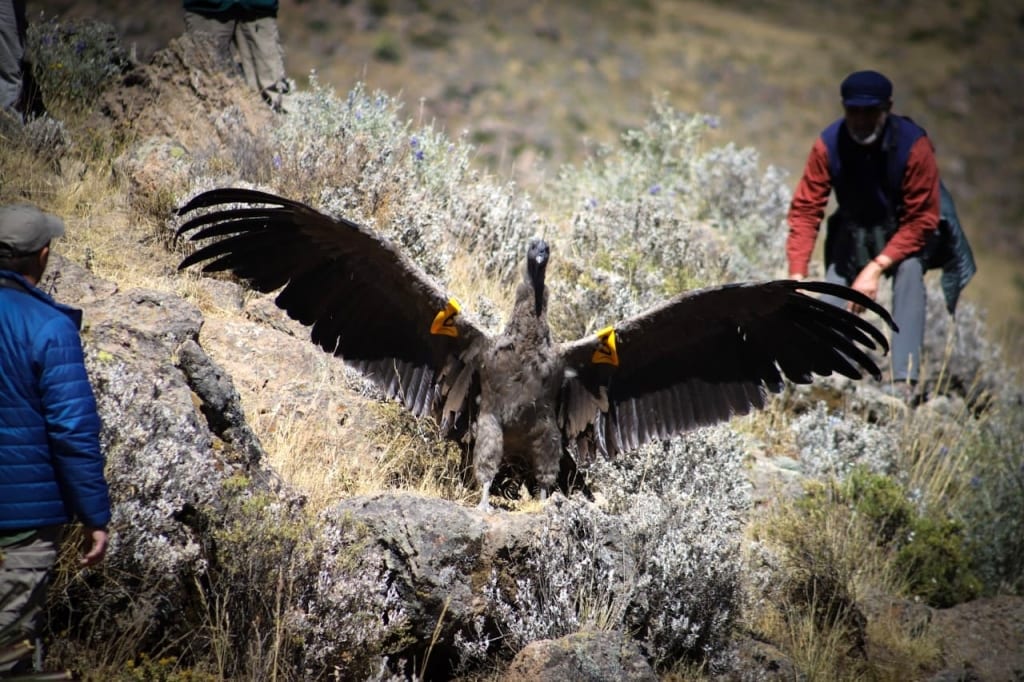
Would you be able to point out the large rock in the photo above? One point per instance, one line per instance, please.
(164, 460)
(181, 83)
(982, 639)
(582, 657)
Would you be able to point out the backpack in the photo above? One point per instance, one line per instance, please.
(949, 250)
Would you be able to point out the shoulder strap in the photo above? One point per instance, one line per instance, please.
(830, 136)
(901, 136)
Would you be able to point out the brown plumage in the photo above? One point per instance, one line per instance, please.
(517, 397)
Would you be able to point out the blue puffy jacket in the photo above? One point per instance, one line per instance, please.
(51, 467)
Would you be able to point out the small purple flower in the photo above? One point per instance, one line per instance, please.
(654, 190)
(591, 203)
(414, 142)
(418, 155)
(80, 47)
(277, 161)
(975, 482)
(711, 121)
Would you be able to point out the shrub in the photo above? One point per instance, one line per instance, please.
(660, 560)
(936, 563)
(356, 157)
(833, 443)
(881, 501)
(665, 163)
(75, 61)
(929, 552)
(990, 503)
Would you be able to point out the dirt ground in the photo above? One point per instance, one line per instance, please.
(535, 84)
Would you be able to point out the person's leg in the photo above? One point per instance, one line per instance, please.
(259, 46)
(908, 310)
(832, 276)
(216, 32)
(12, 54)
(24, 578)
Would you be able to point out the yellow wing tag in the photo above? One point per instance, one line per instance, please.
(605, 354)
(444, 321)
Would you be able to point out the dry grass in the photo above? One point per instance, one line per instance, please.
(831, 568)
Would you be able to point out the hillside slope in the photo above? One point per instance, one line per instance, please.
(536, 84)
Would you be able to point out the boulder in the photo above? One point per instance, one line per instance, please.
(582, 657)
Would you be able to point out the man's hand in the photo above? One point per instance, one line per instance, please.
(98, 538)
(867, 282)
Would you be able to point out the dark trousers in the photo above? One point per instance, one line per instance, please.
(908, 309)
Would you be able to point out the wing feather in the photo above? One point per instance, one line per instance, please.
(708, 355)
(361, 298)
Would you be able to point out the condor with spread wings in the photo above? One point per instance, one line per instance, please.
(517, 396)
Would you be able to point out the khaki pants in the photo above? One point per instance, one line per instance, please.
(24, 578)
(257, 43)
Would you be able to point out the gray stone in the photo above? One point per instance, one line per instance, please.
(581, 657)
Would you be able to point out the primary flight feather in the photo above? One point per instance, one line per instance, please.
(517, 397)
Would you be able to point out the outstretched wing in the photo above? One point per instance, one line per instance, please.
(707, 355)
(364, 300)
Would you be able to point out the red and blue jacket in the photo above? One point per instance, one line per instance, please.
(51, 466)
(862, 179)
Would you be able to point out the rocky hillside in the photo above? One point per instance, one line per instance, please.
(273, 519)
(538, 84)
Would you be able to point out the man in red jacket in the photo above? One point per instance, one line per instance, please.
(882, 169)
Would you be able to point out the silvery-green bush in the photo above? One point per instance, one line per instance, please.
(357, 157)
(659, 558)
(991, 505)
(832, 443)
(668, 162)
(75, 61)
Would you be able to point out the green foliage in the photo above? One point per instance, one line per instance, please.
(387, 48)
(936, 563)
(930, 553)
(147, 669)
(74, 62)
(881, 501)
(991, 501)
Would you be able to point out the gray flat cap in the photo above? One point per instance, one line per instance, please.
(25, 229)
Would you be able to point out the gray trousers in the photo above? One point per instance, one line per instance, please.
(12, 54)
(24, 578)
(908, 309)
(256, 40)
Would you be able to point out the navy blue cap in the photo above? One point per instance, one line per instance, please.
(865, 89)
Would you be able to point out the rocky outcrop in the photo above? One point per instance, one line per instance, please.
(181, 83)
(391, 574)
(982, 639)
(589, 656)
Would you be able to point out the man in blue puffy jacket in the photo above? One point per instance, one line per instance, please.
(51, 466)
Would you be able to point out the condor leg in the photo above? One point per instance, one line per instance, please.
(487, 455)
